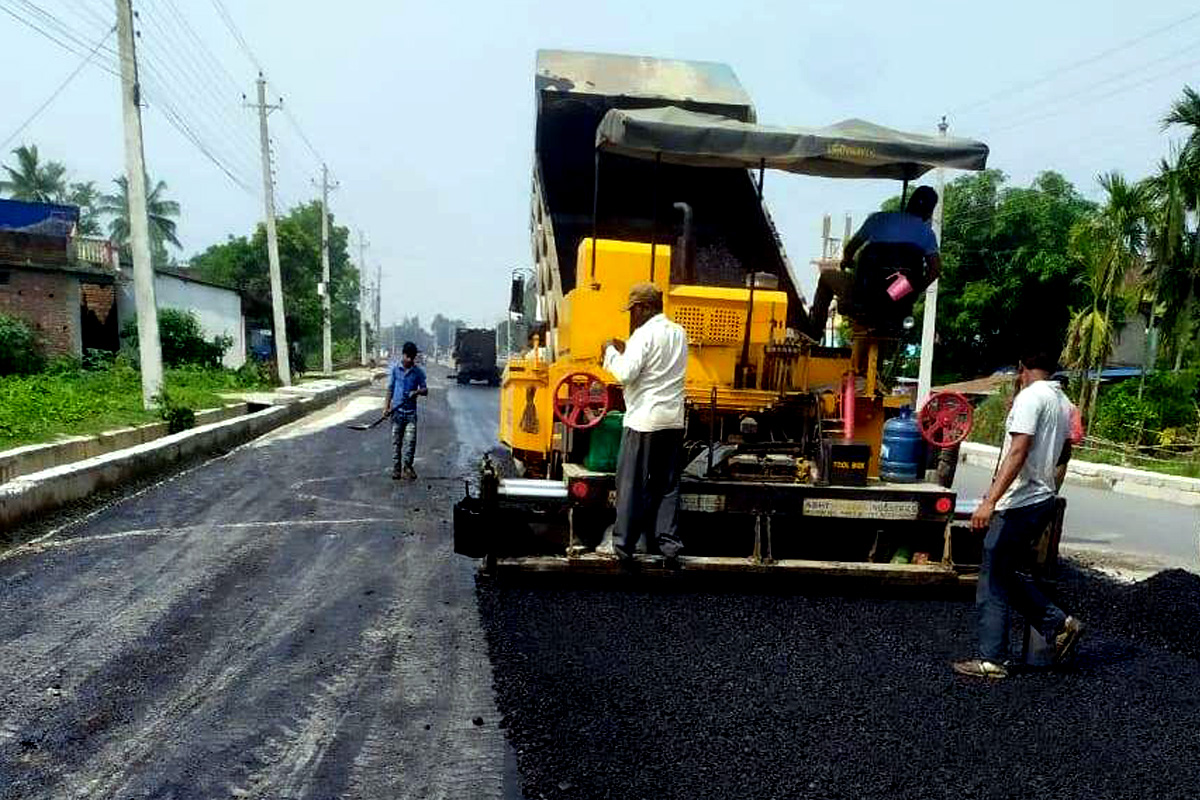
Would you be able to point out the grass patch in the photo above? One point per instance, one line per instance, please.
(72, 401)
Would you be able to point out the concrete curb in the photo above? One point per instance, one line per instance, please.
(1123, 480)
(37, 493)
(37, 457)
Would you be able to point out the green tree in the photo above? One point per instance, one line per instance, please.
(32, 180)
(1007, 279)
(1169, 268)
(1110, 245)
(86, 196)
(1185, 112)
(241, 262)
(161, 213)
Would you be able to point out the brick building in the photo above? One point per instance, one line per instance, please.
(62, 287)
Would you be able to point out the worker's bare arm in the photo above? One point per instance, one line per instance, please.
(1010, 468)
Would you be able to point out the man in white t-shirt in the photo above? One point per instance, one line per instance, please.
(1015, 512)
(651, 368)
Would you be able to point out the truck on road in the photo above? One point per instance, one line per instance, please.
(475, 356)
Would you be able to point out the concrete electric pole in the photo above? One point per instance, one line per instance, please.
(281, 344)
(326, 302)
(149, 349)
(362, 298)
(378, 300)
(929, 323)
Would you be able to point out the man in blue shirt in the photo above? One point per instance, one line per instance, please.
(908, 228)
(406, 382)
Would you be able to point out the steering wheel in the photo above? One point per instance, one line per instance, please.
(581, 400)
(945, 419)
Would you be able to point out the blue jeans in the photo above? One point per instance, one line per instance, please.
(404, 440)
(1005, 581)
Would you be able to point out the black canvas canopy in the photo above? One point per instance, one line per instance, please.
(853, 148)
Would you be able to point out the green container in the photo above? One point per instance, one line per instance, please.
(604, 443)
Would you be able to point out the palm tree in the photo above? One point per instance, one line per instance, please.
(1186, 112)
(159, 210)
(1168, 267)
(1110, 244)
(87, 197)
(33, 181)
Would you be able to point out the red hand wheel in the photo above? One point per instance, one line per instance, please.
(581, 400)
(945, 419)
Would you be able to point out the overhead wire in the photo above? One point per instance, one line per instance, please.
(71, 48)
(87, 59)
(1061, 70)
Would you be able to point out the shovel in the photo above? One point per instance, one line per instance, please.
(366, 426)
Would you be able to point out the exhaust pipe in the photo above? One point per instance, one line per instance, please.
(686, 244)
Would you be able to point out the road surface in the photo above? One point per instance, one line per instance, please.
(282, 622)
(286, 622)
(1139, 535)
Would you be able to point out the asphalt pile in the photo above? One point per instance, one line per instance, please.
(671, 691)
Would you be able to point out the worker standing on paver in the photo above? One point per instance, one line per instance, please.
(650, 368)
(1015, 512)
(406, 382)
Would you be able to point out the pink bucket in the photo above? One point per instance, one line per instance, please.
(899, 287)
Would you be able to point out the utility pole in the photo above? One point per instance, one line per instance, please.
(326, 302)
(281, 344)
(149, 349)
(929, 324)
(378, 301)
(362, 298)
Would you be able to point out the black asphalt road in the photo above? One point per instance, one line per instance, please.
(286, 622)
(282, 622)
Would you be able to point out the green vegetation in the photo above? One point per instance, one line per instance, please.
(241, 262)
(75, 401)
(20, 349)
(181, 339)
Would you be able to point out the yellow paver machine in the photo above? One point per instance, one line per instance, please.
(652, 170)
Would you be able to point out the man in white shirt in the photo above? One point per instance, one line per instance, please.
(651, 368)
(1015, 512)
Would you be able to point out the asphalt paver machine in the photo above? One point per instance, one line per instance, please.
(652, 170)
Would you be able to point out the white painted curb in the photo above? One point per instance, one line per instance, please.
(1123, 480)
(29, 495)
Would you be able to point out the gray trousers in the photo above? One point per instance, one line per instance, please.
(404, 441)
(648, 491)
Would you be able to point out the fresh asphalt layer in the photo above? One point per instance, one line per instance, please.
(286, 622)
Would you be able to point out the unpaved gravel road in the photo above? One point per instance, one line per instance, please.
(282, 622)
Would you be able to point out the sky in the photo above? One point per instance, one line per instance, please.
(424, 111)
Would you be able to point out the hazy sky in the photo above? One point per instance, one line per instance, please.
(424, 111)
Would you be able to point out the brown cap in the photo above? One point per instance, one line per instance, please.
(646, 293)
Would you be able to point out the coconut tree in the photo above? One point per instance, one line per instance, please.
(1111, 247)
(34, 181)
(159, 210)
(1185, 112)
(1169, 265)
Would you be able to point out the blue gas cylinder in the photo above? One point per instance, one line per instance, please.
(902, 456)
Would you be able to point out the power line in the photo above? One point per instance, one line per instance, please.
(1096, 98)
(237, 35)
(54, 95)
(1058, 72)
(69, 48)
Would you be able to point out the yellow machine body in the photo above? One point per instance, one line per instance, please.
(714, 319)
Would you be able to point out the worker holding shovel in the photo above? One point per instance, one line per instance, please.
(406, 382)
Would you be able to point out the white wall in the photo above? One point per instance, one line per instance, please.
(218, 310)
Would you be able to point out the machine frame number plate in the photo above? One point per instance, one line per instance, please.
(708, 503)
(860, 509)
